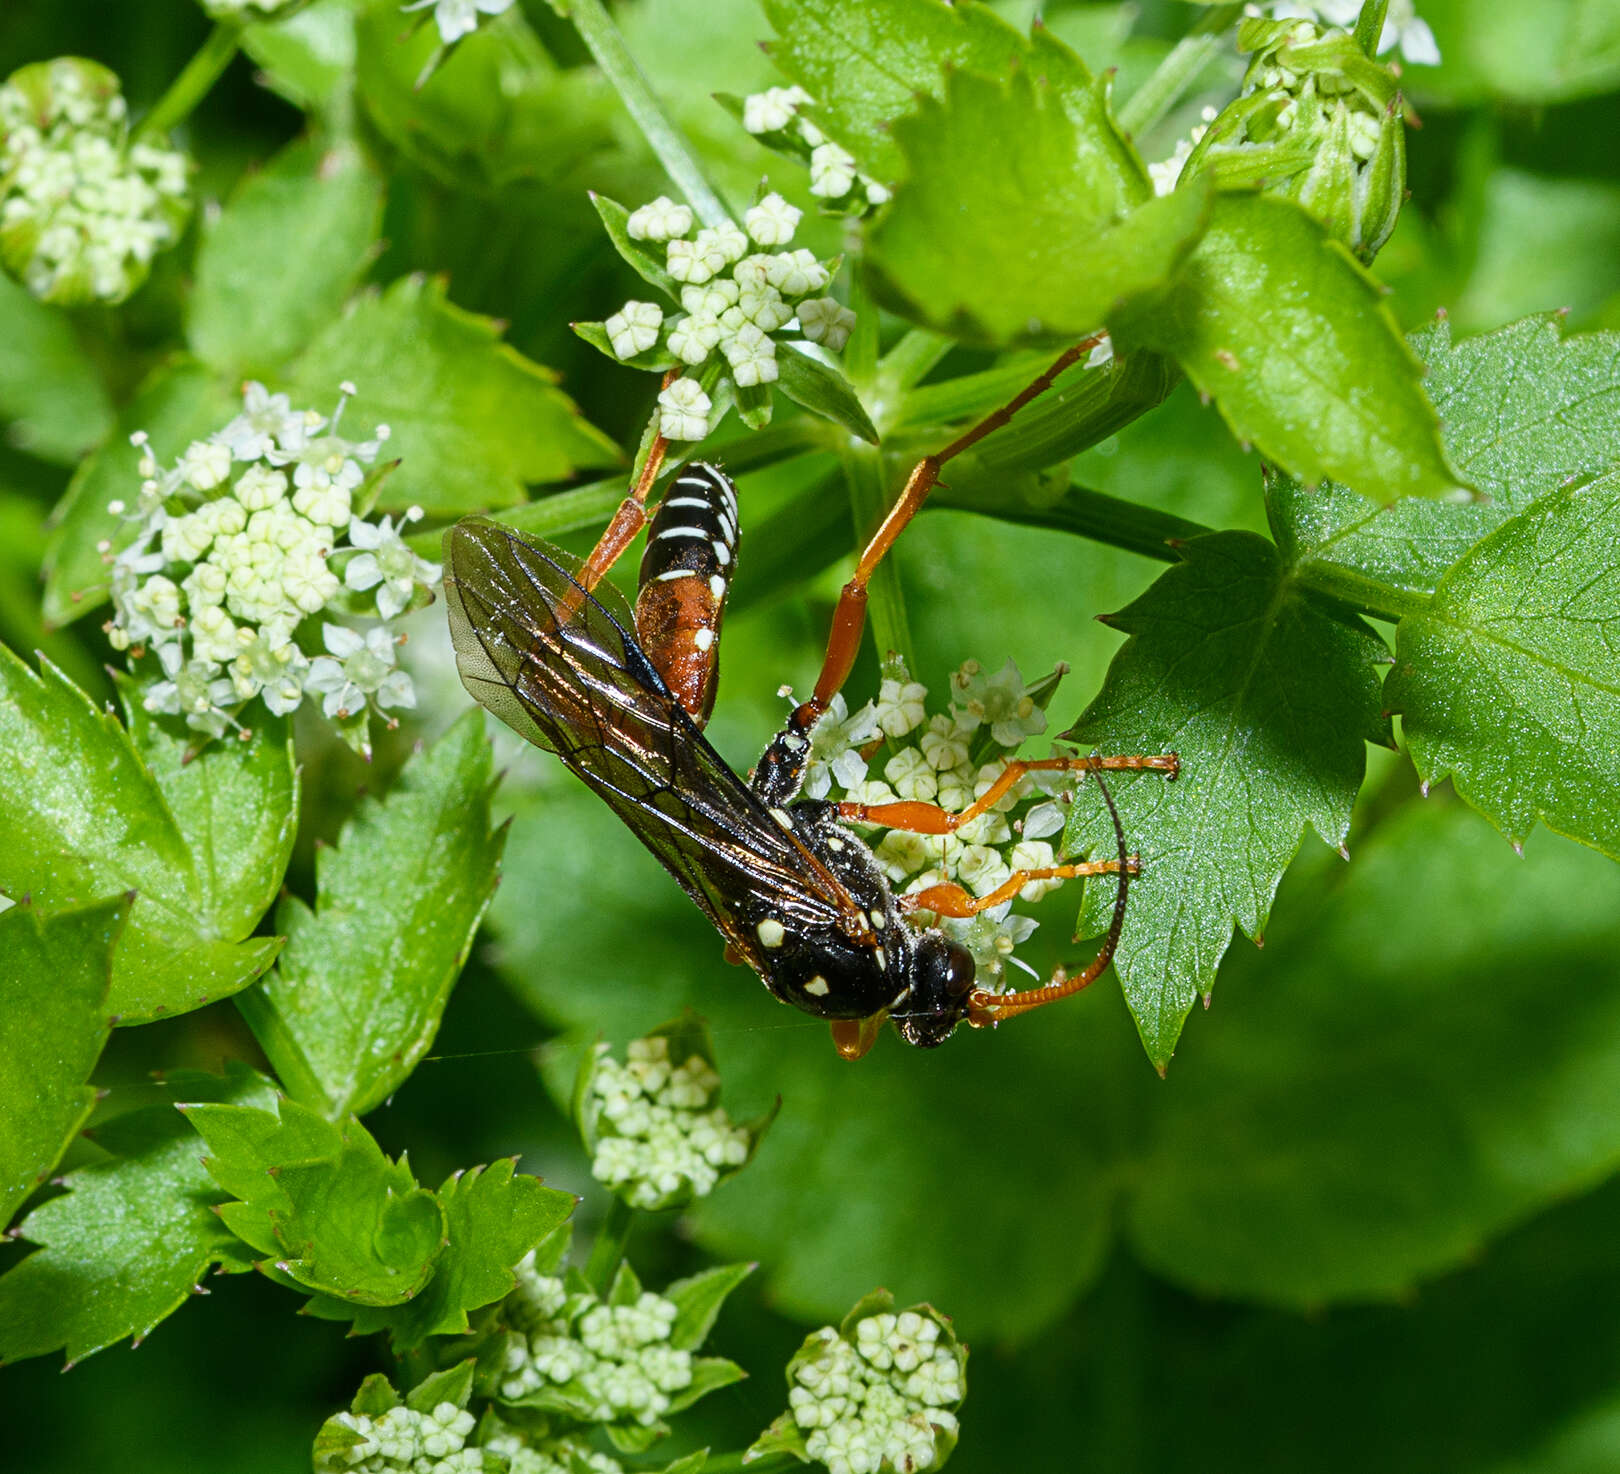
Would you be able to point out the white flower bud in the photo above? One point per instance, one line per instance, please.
(634, 328)
(825, 320)
(832, 171)
(662, 220)
(773, 220)
(684, 411)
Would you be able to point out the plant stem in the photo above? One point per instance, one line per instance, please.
(193, 83)
(1089, 514)
(1156, 96)
(1365, 595)
(608, 1249)
(606, 45)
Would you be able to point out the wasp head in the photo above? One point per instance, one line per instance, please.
(941, 981)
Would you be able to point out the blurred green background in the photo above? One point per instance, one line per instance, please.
(1364, 1223)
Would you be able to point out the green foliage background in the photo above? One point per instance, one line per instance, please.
(1365, 1221)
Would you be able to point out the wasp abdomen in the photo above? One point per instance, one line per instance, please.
(685, 576)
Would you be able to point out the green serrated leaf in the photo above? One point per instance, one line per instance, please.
(54, 976)
(86, 818)
(1269, 698)
(52, 401)
(347, 1222)
(810, 380)
(866, 66)
(284, 253)
(1507, 680)
(1276, 322)
(493, 1217)
(181, 402)
(1524, 409)
(474, 421)
(1030, 247)
(367, 973)
(130, 1239)
(234, 803)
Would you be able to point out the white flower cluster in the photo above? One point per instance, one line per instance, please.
(736, 290)
(234, 550)
(880, 1402)
(616, 1357)
(660, 1138)
(1403, 29)
(407, 1441)
(950, 760)
(775, 117)
(82, 210)
(458, 18)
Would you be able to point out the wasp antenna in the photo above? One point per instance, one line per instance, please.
(991, 1008)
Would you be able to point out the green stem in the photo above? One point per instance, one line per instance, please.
(608, 1249)
(1089, 514)
(1365, 595)
(193, 83)
(606, 45)
(1156, 96)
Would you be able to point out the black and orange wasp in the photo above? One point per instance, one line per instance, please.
(622, 697)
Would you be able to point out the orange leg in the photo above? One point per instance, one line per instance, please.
(627, 521)
(849, 618)
(949, 899)
(925, 818)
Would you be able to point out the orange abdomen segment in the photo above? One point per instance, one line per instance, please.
(686, 574)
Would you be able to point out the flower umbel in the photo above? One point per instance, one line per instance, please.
(83, 210)
(736, 292)
(879, 1392)
(236, 547)
(660, 1137)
